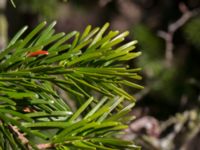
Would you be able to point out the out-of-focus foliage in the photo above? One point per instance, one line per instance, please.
(192, 31)
(3, 25)
(152, 60)
(3, 31)
(151, 44)
(180, 132)
(152, 50)
(44, 8)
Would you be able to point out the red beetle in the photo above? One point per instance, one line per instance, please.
(36, 53)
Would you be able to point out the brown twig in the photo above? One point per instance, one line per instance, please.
(45, 146)
(172, 28)
(20, 135)
(25, 141)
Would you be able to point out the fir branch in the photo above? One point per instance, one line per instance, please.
(89, 68)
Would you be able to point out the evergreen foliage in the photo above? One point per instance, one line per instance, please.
(69, 97)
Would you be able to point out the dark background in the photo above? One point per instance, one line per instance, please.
(168, 33)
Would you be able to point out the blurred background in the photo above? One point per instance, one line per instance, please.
(168, 32)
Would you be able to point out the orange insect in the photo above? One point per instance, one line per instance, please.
(39, 52)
